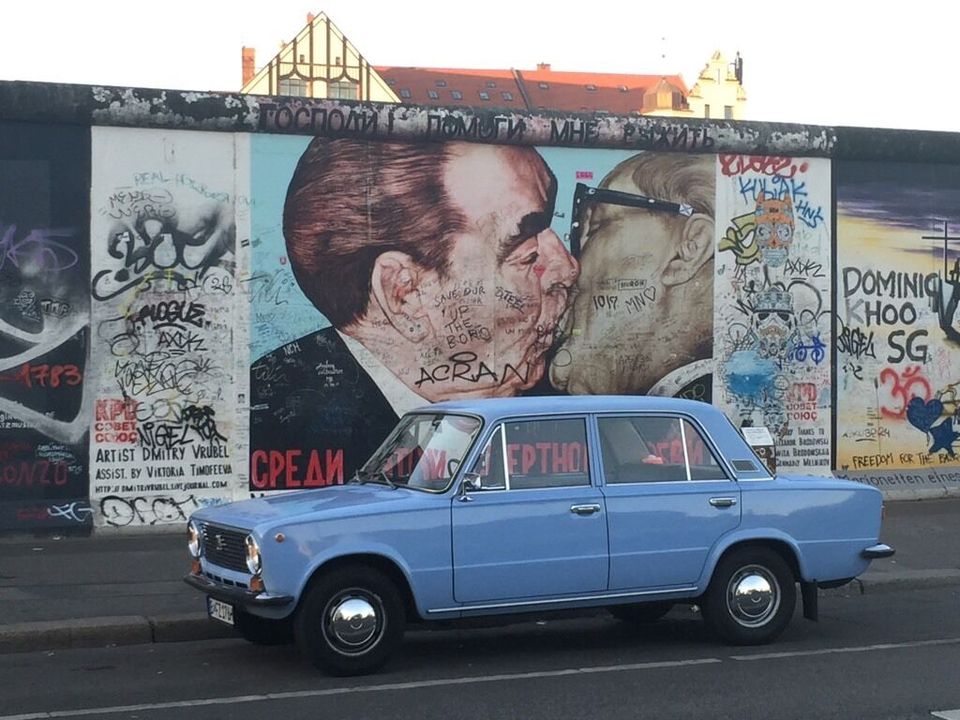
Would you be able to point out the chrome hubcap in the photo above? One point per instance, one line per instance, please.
(353, 622)
(753, 596)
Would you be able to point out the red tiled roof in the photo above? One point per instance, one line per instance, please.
(531, 89)
(453, 87)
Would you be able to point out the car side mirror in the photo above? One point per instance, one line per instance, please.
(470, 483)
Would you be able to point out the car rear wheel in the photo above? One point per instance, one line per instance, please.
(751, 597)
(641, 612)
(350, 621)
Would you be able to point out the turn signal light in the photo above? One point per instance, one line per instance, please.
(195, 566)
(256, 584)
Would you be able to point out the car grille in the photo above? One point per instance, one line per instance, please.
(224, 547)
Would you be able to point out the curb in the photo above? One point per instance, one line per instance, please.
(139, 629)
(109, 631)
(881, 582)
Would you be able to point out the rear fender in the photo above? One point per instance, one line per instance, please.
(758, 536)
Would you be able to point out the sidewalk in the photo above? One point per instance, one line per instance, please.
(127, 589)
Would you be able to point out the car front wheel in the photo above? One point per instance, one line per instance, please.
(350, 621)
(751, 597)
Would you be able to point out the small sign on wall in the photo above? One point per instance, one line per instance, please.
(761, 441)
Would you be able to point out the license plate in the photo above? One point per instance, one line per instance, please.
(220, 611)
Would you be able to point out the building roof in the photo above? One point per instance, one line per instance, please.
(542, 88)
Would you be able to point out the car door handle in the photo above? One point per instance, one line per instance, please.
(723, 502)
(585, 509)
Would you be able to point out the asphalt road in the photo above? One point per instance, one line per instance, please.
(889, 655)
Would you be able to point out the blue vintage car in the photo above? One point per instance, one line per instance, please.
(531, 504)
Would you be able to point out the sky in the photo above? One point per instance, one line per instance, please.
(867, 63)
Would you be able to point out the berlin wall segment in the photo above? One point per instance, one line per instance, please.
(171, 334)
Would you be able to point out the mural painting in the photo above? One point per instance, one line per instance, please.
(772, 309)
(163, 238)
(44, 327)
(898, 333)
(391, 275)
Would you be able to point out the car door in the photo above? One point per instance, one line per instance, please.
(668, 500)
(531, 524)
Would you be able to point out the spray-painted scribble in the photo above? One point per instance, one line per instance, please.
(773, 295)
(897, 281)
(45, 394)
(163, 284)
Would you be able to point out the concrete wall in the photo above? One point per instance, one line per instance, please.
(167, 340)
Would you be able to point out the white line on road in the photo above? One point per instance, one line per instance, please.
(360, 689)
(831, 651)
(947, 714)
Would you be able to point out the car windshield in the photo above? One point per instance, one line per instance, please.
(423, 451)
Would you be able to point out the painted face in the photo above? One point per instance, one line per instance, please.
(611, 344)
(774, 228)
(774, 323)
(497, 311)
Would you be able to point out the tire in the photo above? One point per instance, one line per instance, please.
(641, 613)
(371, 621)
(262, 631)
(766, 601)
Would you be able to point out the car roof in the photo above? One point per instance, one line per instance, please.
(495, 408)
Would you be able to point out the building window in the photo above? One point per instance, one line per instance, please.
(506, 95)
(441, 83)
(433, 94)
(293, 86)
(343, 90)
(706, 111)
(404, 93)
(491, 84)
(457, 95)
(728, 112)
(484, 95)
(543, 86)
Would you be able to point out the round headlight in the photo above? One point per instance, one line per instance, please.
(194, 544)
(253, 555)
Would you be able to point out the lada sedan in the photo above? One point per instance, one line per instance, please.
(531, 504)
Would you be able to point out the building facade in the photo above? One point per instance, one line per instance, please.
(321, 63)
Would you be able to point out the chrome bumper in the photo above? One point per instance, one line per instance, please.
(880, 550)
(235, 595)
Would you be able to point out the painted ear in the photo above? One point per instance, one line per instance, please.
(695, 248)
(395, 284)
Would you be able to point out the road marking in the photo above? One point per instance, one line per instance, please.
(947, 714)
(360, 689)
(832, 651)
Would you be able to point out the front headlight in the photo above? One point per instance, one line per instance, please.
(194, 543)
(253, 555)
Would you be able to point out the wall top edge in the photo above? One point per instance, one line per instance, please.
(233, 112)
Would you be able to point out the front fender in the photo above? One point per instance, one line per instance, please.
(375, 551)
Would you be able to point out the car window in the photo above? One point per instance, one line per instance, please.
(655, 449)
(487, 470)
(642, 449)
(529, 454)
(703, 463)
(423, 451)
